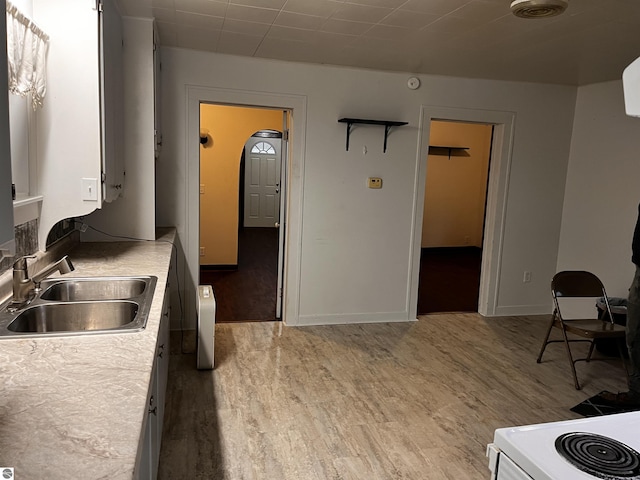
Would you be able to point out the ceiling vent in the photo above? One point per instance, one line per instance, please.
(538, 8)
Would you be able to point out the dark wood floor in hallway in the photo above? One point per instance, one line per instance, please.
(449, 280)
(248, 293)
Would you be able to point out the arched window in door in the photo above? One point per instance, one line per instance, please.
(263, 147)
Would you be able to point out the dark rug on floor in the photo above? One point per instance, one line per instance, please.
(596, 406)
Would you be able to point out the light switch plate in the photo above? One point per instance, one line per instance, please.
(375, 182)
(90, 189)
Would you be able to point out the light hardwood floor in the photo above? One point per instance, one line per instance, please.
(412, 401)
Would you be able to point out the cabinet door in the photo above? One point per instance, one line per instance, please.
(111, 101)
(163, 361)
(7, 246)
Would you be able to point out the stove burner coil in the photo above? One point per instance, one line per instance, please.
(602, 457)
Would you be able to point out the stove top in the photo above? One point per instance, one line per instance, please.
(572, 449)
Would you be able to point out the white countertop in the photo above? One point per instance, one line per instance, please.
(74, 407)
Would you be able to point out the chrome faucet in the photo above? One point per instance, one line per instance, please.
(25, 287)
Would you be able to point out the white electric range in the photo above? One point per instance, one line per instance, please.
(603, 447)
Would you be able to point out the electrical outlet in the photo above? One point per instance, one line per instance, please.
(202, 251)
(374, 182)
(526, 278)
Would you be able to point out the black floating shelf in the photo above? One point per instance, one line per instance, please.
(387, 127)
(440, 150)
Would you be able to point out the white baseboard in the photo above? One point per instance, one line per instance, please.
(519, 310)
(341, 319)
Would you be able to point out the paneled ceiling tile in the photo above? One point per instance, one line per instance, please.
(361, 13)
(245, 28)
(297, 20)
(204, 7)
(376, 43)
(342, 26)
(275, 4)
(378, 3)
(404, 18)
(199, 21)
(288, 33)
(320, 8)
(440, 7)
(330, 40)
(454, 25)
(238, 44)
(251, 14)
(167, 33)
(482, 10)
(165, 15)
(388, 32)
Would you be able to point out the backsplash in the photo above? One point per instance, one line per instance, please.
(59, 230)
(26, 235)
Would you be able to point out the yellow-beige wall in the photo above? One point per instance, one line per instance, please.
(456, 187)
(230, 128)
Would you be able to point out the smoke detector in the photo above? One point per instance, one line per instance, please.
(538, 8)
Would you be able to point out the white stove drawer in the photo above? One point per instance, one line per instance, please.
(502, 467)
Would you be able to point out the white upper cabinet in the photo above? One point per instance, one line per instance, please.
(112, 95)
(7, 246)
(79, 128)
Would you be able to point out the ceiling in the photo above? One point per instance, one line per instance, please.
(592, 41)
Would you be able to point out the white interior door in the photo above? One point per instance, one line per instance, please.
(282, 224)
(262, 182)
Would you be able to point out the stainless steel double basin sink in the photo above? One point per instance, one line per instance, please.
(76, 306)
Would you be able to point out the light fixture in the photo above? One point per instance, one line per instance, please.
(538, 8)
(205, 138)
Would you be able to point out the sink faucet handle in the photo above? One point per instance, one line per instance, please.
(21, 263)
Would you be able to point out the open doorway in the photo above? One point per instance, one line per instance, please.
(241, 256)
(454, 216)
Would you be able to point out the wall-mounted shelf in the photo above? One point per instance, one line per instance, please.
(387, 127)
(446, 150)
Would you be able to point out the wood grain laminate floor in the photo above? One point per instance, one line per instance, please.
(412, 401)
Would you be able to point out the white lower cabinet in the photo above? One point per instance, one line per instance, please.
(148, 468)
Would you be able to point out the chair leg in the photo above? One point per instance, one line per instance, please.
(546, 339)
(571, 361)
(593, 344)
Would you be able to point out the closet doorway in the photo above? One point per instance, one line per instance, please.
(454, 216)
(243, 160)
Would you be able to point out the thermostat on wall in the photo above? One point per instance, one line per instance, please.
(374, 182)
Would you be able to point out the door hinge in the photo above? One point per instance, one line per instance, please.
(99, 5)
(285, 136)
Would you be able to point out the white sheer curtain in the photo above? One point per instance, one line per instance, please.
(27, 47)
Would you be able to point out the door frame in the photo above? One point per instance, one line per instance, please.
(497, 191)
(297, 106)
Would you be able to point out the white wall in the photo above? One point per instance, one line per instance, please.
(602, 191)
(356, 243)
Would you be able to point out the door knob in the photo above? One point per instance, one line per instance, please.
(277, 224)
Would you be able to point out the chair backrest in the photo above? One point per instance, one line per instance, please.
(577, 283)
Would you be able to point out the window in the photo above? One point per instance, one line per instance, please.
(263, 147)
